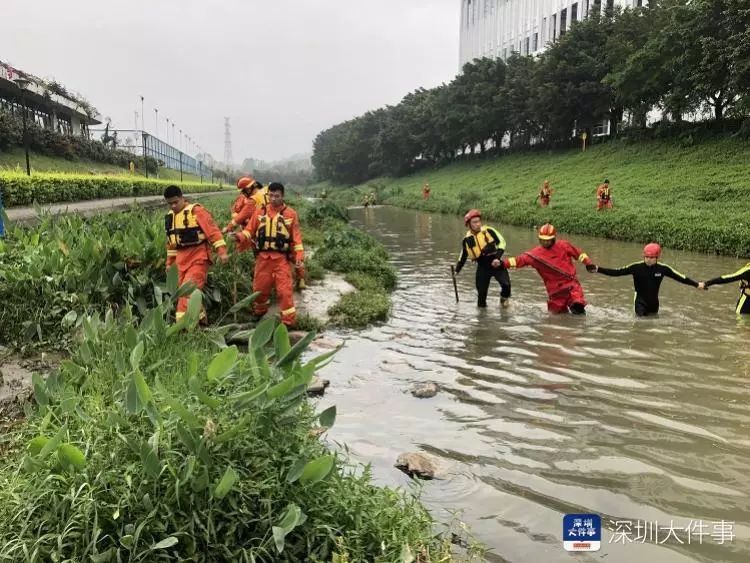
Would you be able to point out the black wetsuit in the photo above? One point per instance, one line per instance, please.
(485, 272)
(647, 280)
(743, 276)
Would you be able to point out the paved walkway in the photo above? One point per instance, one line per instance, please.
(94, 206)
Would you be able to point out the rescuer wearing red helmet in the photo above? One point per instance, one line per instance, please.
(647, 278)
(252, 195)
(485, 246)
(554, 261)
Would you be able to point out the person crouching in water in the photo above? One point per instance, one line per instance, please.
(554, 261)
(647, 278)
(485, 246)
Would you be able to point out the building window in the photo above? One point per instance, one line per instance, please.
(610, 5)
(528, 41)
(563, 21)
(536, 42)
(544, 30)
(505, 54)
(585, 8)
(574, 13)
(597, 6)
(554, 27)
(639, 3)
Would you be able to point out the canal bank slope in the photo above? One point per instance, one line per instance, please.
(691, 197)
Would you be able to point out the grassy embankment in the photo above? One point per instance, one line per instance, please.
(16, 160)
(153, 440)
(72, 266)
(151, 444)
(692, 197)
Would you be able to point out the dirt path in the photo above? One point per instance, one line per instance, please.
(29, 214)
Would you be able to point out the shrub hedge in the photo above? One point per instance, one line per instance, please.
(18, 189)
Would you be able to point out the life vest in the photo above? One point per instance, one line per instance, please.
(183, 229)
(273, 233)
(260, 197)
(476, 243)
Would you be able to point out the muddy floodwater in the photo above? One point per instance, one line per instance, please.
(643, 421)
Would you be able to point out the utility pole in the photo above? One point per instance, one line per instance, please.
(227, 144)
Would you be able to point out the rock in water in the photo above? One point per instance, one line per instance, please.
(417, 465)
(317, 386)
(425, 390)
(296, 335)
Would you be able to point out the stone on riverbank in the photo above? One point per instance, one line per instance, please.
(425, 390)
(417, 465)
(317, 386)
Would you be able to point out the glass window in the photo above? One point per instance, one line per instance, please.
(574, 13)
(554, 27)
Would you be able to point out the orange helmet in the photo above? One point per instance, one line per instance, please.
(652, 250)
(471, 214)
(245, 182)
(547, 232)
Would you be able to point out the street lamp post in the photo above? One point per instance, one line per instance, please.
(156, 114)
(22, 84)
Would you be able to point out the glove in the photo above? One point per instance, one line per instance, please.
(591, 268)
(457, 268)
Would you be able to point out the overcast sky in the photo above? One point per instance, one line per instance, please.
(283, 70)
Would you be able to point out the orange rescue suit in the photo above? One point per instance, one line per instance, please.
(556, 266)
(276, 236)
(189, 233)
(245, 210)
(604, 197)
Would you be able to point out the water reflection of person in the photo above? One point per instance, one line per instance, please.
(424, 226)
(553, 344)
(555, 347)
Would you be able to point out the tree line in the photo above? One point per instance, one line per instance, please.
(680, 57)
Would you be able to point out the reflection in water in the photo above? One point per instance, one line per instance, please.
(539, 414)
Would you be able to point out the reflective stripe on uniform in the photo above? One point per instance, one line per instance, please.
(220, 243)
(741, 303)
(583, 257)
(298, 247)
(512, 262)
(289, 311)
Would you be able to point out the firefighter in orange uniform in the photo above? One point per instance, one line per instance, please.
(426, 191)
(545, 193)
(275, 235)
(554, 262)
(604, 196)
(190, 228)
(253, 195)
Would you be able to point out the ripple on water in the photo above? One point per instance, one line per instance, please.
(540, 415)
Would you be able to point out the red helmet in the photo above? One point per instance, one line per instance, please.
(245, 182)
(547, 232)
(652, 250)
(471, 214)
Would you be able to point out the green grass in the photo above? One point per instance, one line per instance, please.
(150, 444)
(16, 159)
(692, 197)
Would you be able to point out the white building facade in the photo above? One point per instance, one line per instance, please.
(497, 28)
